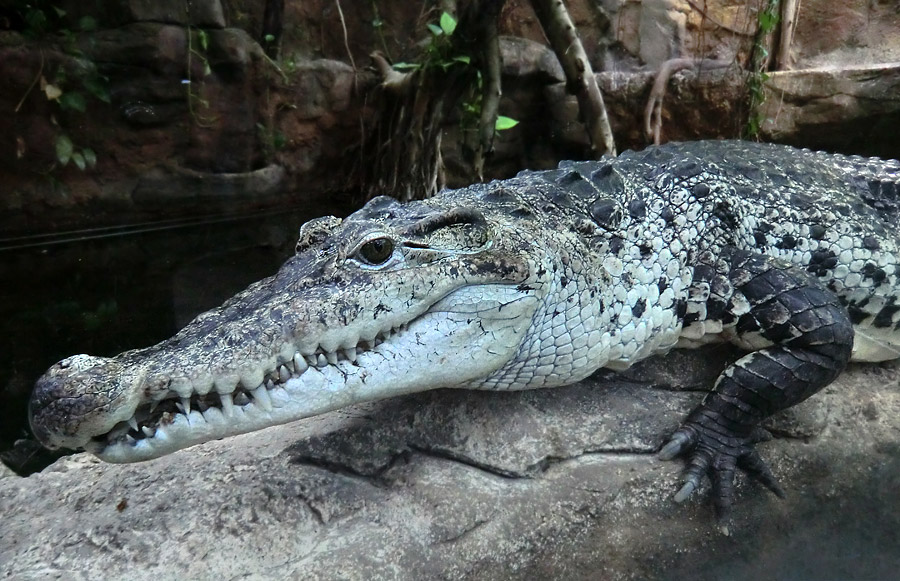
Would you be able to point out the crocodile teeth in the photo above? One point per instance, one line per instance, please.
(350, 354)
(204, 384)
(251, 379)
(331, 357)
(148, 431)
(241, 399)
(261, 396)
(311, 360)
(117, 432)
(283, 374)
(300, 364)
(185, 405)
(182, 386)
(321, 361)
(133, 423)
(227, 405)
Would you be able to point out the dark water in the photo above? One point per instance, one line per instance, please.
(107, 290)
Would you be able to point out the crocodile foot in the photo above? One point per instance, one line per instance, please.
(713, 451)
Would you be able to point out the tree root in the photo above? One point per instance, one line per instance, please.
(490, 99)
(653, 109)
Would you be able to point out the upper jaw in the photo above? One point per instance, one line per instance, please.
(179, 414)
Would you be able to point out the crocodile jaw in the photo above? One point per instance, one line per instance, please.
(450, 304)
(445, 347)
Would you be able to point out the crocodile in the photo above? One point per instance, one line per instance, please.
(533, 282)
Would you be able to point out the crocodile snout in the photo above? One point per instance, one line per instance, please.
(71, 400)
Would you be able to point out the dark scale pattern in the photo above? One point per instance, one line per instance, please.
(775, 249)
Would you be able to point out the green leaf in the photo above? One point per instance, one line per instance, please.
(64, 149)
(448, 23)
(269, 38)
(406, 66)
(59, 12)
(97, 86)
(279, 140)
(89, 156)
(505, 123)
(206, 70)
(435, 29)
(767, 21)
(79, 160)
(464, 59)
(74, 101)
(204, 39)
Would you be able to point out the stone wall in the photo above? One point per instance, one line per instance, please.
(195, 105)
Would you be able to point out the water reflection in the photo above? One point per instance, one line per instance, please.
(105, 290)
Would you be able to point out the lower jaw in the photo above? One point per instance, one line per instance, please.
(316, 391)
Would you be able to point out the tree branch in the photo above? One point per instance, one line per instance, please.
(560, 31)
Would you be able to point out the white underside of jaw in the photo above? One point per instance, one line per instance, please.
(315, 391)
(463, 338)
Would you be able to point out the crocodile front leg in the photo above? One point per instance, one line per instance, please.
(801, 338)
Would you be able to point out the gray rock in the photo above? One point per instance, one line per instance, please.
(112, 13)
(529, 62)
(853, 109)
(167, 183)
(559, 484)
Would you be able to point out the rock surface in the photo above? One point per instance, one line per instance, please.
(851, 109)
(557, 484)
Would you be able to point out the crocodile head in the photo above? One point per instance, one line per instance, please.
(392, 300)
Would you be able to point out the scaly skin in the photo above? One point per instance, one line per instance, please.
(536, 281)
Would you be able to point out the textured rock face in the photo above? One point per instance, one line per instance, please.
(189, 88)
(850, 109)
(464, 485)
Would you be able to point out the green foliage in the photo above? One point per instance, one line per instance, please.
(66, 151)
(40, 17)
(448, 24)
(71, 85)
(438, 51)
(471, 110)
(439, 54)
(72, 96)
(504, 123)
(195, 100)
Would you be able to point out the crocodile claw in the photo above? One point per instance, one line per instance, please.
(716, 455)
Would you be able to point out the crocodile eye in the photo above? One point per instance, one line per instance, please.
(376, 251)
